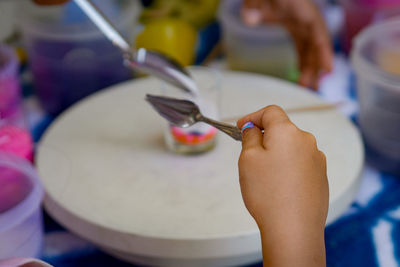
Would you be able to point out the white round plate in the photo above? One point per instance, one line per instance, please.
(110, 179)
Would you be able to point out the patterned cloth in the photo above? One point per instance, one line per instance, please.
(368, 234)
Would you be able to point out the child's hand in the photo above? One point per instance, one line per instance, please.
(285, 188)
(303, 20)
(50, 2)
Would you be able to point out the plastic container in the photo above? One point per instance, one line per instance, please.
(21, 230)
(23, 262)
(375, 58)
(10, 91)
(69, 57)
(360, 13)
(17, 141)
(266, 49)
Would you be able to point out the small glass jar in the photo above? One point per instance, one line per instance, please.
(199, 137)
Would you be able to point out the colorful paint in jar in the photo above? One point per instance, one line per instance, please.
(199, 137)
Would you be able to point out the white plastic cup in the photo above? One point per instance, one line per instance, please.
(375, 57)
(266, 49)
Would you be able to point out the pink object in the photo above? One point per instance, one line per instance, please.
(375, 3)
(21, 193)
(14, 187)
(10, 95)
(16, 141)
(23, 262)
(360, 13)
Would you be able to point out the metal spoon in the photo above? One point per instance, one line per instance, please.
(184, 113)
(147, 61)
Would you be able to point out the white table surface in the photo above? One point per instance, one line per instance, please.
(110, 179)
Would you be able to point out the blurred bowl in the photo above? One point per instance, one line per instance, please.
(375, 57)
(21, 230)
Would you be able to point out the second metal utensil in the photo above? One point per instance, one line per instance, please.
(185, 113)
(150, 62)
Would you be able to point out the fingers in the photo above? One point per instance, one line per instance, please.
(324, 52)
(265, 117)
(307, 69)
(322, 48)
(251, 12)
(313, 45)
(322, 41)
(310, 72)
(314, 62)
(252, 137)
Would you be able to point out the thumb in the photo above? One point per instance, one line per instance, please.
(252, 137)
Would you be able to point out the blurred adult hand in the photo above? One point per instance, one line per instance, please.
(50, 2)
(307, 28)
(284, 187)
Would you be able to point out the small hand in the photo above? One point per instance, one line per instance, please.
(307, 27)
(284, 186)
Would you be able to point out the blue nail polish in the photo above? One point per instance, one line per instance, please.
(247, 125)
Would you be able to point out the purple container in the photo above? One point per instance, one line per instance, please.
(21, 193)
(10, 91)
(69, 57)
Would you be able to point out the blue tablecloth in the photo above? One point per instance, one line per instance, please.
(368, 234)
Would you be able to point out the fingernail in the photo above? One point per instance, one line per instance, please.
(323, 74)
(247, 125)
(252, 16)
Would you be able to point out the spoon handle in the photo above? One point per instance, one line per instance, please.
(104, 24)
(229, 129)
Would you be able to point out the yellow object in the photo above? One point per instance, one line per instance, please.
(199, 13)
(21, 53)
(173, 37)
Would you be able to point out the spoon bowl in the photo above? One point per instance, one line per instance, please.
(184, 113)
